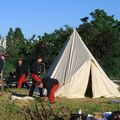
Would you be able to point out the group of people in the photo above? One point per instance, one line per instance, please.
(50, 84)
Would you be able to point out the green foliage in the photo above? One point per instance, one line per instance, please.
(50, 44)
(10, 43)
(100, 34)
(14, 45)
(8, 68)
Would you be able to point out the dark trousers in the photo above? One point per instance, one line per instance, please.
(22, 80)
(33, 88)
(26, 84)
(35, 81)
(52, 93)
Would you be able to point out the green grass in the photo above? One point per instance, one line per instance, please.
(10, 110)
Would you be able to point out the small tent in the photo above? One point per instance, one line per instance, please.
(79, 73)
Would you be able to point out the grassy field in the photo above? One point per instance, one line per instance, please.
(14, 110)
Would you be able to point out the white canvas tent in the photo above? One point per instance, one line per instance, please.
(79, 73)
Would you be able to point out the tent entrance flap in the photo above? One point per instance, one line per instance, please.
(89, 92)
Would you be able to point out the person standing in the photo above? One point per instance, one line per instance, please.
(21, 74)
(36, 80)
(2, 59)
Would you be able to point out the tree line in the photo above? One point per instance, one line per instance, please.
(100, 32)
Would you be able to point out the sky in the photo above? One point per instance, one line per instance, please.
(40, 16)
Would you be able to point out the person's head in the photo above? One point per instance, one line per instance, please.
(20, 61)
(39, 59)
(4, 55)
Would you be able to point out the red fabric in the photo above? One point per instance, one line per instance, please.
(52, 93)
(21, 80)
(4, 55)
(36, 78)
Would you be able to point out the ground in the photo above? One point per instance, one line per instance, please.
(15, 110)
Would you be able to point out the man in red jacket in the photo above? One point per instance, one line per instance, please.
(21, 74)
(34, 71)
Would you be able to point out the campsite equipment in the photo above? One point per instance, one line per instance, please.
(80, 112)
(79, 73)
(77, 115)
(114, 116)
(106, 114)
(98, 115)
(115, 101)
(90, 117)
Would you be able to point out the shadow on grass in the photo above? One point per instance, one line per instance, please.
(18, 94)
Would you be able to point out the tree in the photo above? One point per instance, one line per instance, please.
(50, 45)
(101, 35)
(10, 43)
(19, 42)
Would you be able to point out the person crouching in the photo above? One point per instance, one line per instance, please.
(51, 85)
(21, 74)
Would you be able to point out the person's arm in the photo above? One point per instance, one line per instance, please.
(1, 68)
(40, 85)
(1, 65)
(33, 68)
(26, 70)
(48, 90)
(17, 73)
